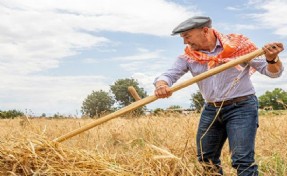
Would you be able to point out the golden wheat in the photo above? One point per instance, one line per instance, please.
(149, 145)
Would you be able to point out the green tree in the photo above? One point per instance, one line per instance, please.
(277, 99)
(122, 95)
(174, 107)
(158, 111)
(97, 103)
(10, 114)
(197, 101)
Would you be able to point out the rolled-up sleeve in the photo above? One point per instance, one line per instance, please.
(179, 68)
(260, 65)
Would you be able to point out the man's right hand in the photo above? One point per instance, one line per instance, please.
(162, 90)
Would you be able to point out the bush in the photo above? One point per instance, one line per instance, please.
(10, 114)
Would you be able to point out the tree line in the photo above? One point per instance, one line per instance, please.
(275, 100)
(100, 103)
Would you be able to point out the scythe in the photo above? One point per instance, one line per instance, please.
(152, 98)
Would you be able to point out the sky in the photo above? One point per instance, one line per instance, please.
(53, 54)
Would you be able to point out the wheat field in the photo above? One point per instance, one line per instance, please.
(149, 145)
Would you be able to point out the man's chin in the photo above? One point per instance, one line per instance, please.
(192, 48)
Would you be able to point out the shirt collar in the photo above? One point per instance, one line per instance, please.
(217, 45)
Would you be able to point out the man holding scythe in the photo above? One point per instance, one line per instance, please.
(231, 107)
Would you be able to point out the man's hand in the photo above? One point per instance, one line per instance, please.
(272, 50)
(162, 90)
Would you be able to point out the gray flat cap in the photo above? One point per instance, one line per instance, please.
(192, 23)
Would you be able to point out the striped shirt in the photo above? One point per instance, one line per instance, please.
(218, 87)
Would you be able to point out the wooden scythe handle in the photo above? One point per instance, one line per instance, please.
(152, 98)
(134, 93)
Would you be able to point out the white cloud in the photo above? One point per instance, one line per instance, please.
(90, 60)
(138, 62)
(43, 94)
(233, 8)
(38, 35)
(266, 15)
(33, 40)
(273, 15)
(237, 27)
(143, 55)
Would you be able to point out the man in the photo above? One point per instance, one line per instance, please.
(231, 107)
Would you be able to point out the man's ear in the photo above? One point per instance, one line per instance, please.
(205, 30)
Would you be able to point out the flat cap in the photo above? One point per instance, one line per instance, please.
(192, 23)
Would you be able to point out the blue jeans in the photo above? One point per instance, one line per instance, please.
(238, 123)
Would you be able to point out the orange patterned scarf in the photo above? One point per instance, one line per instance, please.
(234, 45)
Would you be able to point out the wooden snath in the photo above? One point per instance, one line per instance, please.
(149, 99)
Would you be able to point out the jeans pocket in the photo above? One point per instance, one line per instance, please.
(249, 106)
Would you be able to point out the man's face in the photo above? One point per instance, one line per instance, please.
(194, 38)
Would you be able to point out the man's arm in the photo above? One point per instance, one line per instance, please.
(165, 80)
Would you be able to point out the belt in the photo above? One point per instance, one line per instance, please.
(228, 102)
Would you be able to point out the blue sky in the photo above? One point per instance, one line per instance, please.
(54, 53)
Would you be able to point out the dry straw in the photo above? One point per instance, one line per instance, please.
(122, 147)
(42, 157)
